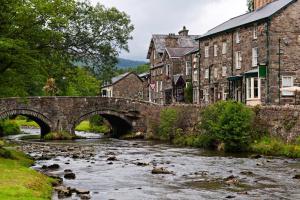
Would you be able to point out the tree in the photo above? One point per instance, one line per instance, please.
(250, 4)
(96, 35)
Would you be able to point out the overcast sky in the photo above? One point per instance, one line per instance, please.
(169, 16)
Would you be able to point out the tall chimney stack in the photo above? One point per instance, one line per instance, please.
(260, 3)
(184, 32)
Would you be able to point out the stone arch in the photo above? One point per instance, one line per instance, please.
(40, 119)
(120, 123)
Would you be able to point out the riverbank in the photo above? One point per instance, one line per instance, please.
(17, 180)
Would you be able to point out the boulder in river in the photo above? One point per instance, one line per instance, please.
(85, 196)
(160, 170)
(63, 192)
(70, 176)
(112, 158)
(297, 176)
(231, 180)
(81, 191)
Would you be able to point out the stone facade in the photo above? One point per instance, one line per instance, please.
(230, 60)
(168, 65)
(128, 85)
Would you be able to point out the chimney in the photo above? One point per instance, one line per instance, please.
(184, 32)
(260, 3)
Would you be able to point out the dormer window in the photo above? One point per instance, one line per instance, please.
(224, 48)
(237, 37)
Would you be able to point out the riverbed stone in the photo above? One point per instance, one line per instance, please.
(69, 176)
(63, 192)
(85, 196)
(112, 158)
(297, 176)
(81, 191)
(160, 170)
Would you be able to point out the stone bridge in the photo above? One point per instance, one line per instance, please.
(65, 113)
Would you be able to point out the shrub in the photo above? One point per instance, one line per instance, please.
(168, 122)
(4, 153)
(230, 123)
(8, 127)
(188, 93)
(59, 136)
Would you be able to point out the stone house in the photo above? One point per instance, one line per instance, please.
(168, 75)
(251, 57)
(128, 85)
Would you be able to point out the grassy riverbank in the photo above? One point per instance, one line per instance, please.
(18, 181)
(87, 127)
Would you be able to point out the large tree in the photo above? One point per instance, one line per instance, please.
(41, 39)
(250, 5)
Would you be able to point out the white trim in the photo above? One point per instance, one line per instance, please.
(287, 93)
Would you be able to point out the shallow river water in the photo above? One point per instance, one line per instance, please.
(197, 174)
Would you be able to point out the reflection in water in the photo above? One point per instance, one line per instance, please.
(198, 174)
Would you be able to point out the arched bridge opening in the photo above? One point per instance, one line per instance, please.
(43, 122)
(120, 123)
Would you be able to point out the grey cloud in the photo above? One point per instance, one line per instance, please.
(168, 16)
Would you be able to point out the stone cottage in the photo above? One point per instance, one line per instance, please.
(128, 85)
(250, 58)
(168, 69)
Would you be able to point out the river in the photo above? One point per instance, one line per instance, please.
(195, 173)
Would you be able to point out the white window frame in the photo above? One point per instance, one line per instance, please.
(216, 72)
(157, 86)
(254, 57)
(237, 37)
(167, 70)
(255, 30)
(195, 75)
(206, 95)
(250, 88)
(215, 50)
(188, 68)
(224, 71)
(161, 86)
(238, 60)
(206, 74)
(287, 93)
(206, 51)
(224, 48)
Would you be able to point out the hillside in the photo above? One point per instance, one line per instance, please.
(126, 63)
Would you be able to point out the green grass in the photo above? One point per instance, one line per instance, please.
(19, 182)
(276, 147)
(59, 136)
(85, 126)
(8, 127)
(30, 137)
(24, 122)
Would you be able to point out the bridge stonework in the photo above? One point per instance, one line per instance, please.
(55, 114)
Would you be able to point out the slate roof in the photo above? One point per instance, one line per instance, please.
(194, 50)
(159, 42)
(178, 52)
(116, 79)
(257, 15)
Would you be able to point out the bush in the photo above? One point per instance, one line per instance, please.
(193, 140)
(4, 153)
(8, 127)
(168, 123)
(230, 123)
(59, 136)
(188, 93)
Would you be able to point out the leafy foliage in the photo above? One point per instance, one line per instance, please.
(41, 39)
(229, 123)
(59, 136)
(188, 93)
(8, 127)
(168, 123)
(250, 5)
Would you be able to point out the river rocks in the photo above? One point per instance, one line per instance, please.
(112, 158)
(85, 196)
(256, 156)
(297, 176)
(230, 197)
(160, 170)
(231, 180)
(70, 176)
(248, 173)
(141, 164)
(68, 171)
(63, 192)
(53, 167)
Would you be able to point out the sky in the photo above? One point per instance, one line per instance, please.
(169, 16)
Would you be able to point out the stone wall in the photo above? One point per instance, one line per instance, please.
(282, 122)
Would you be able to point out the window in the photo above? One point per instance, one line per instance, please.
(255, 32)
(224, 94)
(206, 51)
(224, 71)
(167, 70)
(188, 68)
(206, 95)
(161, 86)
(157, 86)
(206, 73)
(224, 48)
(237, 37)
(195, 76)
(215, 50)
(254, 57)
(253, 88)
(238, 60)
(154, 55)
(287, 81)
(216, 72)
